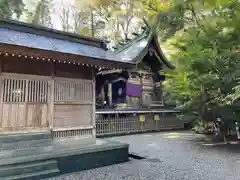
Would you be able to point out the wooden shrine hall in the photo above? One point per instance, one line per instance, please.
(51, 84)
(139, 87)
(131, 100)
(48, 79)
(47, 102)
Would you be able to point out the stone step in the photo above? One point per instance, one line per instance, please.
(24, 137)
(57, 151)
(156, 105)
(31, 154)
(34, 176)
(25, 152)
(38, 154)
(157, 102)
(70, 156)
(25, 144)
(27, 168)
(32, 148)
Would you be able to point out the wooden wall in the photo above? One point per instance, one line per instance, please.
(73, 99)
(147, 89)
(147, 85)
(135, 79)
(38, 95)
(44, 68)
(73, 71)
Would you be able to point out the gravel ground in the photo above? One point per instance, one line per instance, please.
(169, 156)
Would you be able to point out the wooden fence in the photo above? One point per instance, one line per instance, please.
(113, 123)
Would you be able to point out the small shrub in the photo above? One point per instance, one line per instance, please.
(200, 127)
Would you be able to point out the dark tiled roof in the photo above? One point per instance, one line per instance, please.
(48, 32)
(13, 37)
(137, 49)
(21, 34)
(37, 37)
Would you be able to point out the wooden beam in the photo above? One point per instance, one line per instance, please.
(60, 56)
(72, 128)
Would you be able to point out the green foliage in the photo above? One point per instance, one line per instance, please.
(10, 9)
(92, 3)
(200, 127)
(85, 32)
(206, 57)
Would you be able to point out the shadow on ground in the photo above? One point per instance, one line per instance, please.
(233, 147)
(210, 142)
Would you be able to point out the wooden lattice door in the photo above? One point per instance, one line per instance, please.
(24, 103)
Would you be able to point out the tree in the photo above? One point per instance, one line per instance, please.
(11, 9)
(92, 3)
(206, 81)
(122, 19)
(65, 17)
(42, 14)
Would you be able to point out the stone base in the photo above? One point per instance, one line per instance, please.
(38, 156)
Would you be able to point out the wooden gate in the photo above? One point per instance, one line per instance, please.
(73, 107)
(24, 103)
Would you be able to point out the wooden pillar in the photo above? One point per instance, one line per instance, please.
(94, 103)
(102, 96)
(1, 90)
(127, 97)
(161, 92)
(51, 97)
(141, 83)
(110, 93)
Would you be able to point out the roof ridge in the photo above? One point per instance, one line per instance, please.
(137, 39)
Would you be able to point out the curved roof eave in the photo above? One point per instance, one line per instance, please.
(136, 50)
(162, 56)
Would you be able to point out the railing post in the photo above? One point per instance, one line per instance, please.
(237, 129)
(142, 120)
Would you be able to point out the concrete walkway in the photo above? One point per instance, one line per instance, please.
(170, 156)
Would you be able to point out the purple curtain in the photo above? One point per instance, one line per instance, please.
(134, 90)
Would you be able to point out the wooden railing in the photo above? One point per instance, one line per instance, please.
(123, 122)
